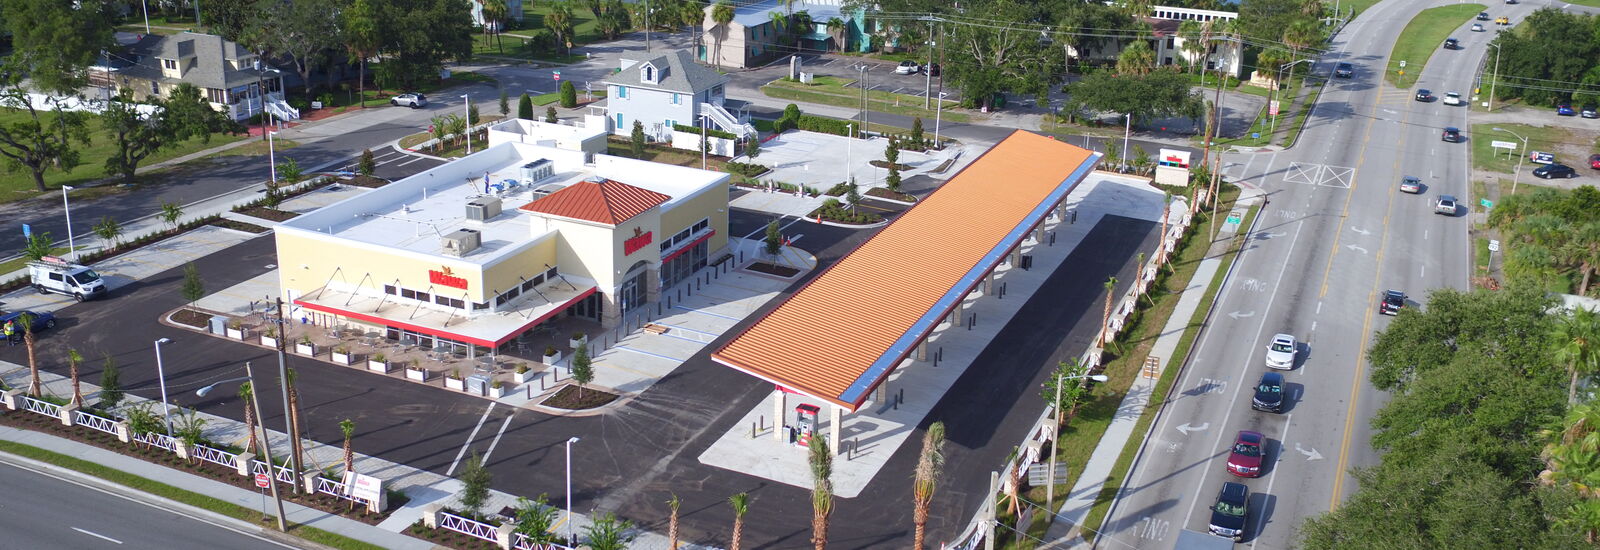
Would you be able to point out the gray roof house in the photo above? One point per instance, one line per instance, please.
(667, 90)
(228, 75)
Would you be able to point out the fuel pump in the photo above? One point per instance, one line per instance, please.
(805, 424)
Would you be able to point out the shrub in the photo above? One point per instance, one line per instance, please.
(569, 94)
(525, 107)
(833, 126)
(710, 132)
(745, 169)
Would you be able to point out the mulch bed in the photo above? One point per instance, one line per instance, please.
(887, 194)
(567, 398)
(326, 503)
(366, 181)
(241, 226)
(265, 213)
(448, 539)
(885, 165)
(192, 318)
(773, 269)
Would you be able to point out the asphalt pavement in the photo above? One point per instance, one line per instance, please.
(1335, 233)
(46, 511)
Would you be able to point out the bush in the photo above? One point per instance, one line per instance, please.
(569, 94)
(789, 121)
(833, 126)
(525, 107)
(745, 169)
(839, 189)
(833, 210)
(710, 132)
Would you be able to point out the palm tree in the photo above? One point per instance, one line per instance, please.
(740, 504)
(248, 395)
(361, 38)
(35, 387)
(721, 14)
(836, 28)
(348, 428)
(296, 447)
(1302, 34)
(693, 15)
(1578, 335)
(72, 365)
(1161, 242)
(1105, 325)
(672, 522)
(1190, 31)
(559, 21)
(1136, 59)
(821, 460)
(780, 26)
(1270, 59)
(800, 24)
(494, 18)
(1572, 452)
(929, 464)
(1585, 516)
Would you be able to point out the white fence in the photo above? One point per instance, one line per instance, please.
(158, 440)
(95, 422)
(284, 475)
(40, 406)
(330, 487)
(469, 527)
(520, 541)
(215, 456)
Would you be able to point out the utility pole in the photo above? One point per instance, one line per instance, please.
(283, 376)
(927, 71)
(861, 68)
(1055, 443)
(266, 446)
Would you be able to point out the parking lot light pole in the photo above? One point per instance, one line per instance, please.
(1050, 484)
(1494, 76)
(1126, 131)
(849, 170)
(570, 441)
(466, 107)
(266, 444)
(72, 249)
(161, 377)
(1517, 174)
(927, 73)
(936, 113)
(861, 69)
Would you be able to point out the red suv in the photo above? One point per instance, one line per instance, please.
(1594, 162)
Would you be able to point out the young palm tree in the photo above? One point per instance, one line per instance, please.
(821, 460)
(1572, 452)
(721, 14)
(247, 394)
(35, 387)
(740, 504)
(836, 28)
(1578, 335)
(348, 428)
(296, 448)
(1105, 324)
(1161, 242)
(72, 365)
(800, 24)
(672, 522)
(929, 464)
(780, 26)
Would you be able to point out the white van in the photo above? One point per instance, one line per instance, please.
(52, 274)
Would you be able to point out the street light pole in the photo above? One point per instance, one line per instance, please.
(1281, 68)
(703, 145)
(283, 378)
(266, 446)
(466, 107)
(861, 69)
(936, 114)
(570, 441)
(1050, 484)
(1495, 76)
(849, 171)
(72, 249)
(1517, 174)
(161, 376)
(927, 72)
(1127, 131)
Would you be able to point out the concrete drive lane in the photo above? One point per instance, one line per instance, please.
(50, 512)
(1335, 233)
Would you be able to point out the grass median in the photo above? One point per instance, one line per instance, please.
(1084, 431)
(1423, 36)
(180, 495)
(828, 90)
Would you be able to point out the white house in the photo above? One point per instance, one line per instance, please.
(1224, 55)
(669, 90)
(513, 11)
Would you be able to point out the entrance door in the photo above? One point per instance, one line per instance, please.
(632, 293)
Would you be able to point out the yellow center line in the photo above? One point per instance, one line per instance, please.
(1366, 326)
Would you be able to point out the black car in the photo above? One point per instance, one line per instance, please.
(1451, 134)
(1344, 70)
(1229, 513)
(41, 320)
(1269, 393)
(1392, 302)
(1589, 111)
(1483, 16)
(934, 70)
(1451, 44)
(1424, 95)
(1552, 171)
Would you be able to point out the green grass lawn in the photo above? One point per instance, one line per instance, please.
(832, 91)
(1358, 5)
(1292, 134)
(583, 25)
(518, 48)
(1539, 139)
(17, 184)
(1424, 35)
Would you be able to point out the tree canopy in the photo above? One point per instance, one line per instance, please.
(1156, 95)
(1547, 56)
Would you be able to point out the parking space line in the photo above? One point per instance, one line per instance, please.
(413, 160)
(471, 437)
(497, 437)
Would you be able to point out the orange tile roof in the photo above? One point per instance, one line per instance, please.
(844, 332)
(608, 202)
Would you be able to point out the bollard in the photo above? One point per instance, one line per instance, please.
(902, 396)
(1052, 238)
(1074, 217)
(1002, 288)
(680, 295)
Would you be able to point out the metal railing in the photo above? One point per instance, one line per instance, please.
(158, 440)
(469, 527)
(330, 487)
(41, 406)
(520, 541)
(284, 475)
(215, 456)
(94, 421)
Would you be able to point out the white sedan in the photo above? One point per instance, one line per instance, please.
(1280, 354)
(1477, 28)
(907, 67)
(1452, 98)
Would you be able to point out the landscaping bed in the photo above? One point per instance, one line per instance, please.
(191, 318)
(568, 398)
(448, 538)
(773, 269)
(885, 165)
(265, 213)
(238, 225)
(883, 193)
(835, 211)
(365, 181)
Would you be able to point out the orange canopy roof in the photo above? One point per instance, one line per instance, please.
(608, 202)
(844, 332)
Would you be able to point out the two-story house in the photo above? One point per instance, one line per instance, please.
(750, 40)
(665, 91)
(1222, 54)
(513, 11)
(229, 76)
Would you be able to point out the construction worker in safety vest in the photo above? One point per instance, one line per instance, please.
(11, 333)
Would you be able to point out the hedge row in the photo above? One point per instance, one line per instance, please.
(812, 123)
(709, 132)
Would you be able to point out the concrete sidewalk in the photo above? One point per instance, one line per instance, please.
(1067, 529)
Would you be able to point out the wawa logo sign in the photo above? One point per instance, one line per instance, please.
(445, 277)
(640, 239)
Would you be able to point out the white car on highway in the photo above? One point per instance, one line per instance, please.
(1452, 98)
(1280, 354)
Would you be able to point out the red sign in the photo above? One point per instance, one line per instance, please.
(262, 481)
(639, 240)
(446, 278)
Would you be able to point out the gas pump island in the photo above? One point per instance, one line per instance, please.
(805, 425)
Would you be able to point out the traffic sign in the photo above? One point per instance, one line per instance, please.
(1255, 135)
(557, 74)
(1272, 108)
(1494, 246)
(27, 231)
(1233, 220)
(1402, 63)
(1486, 203)
(262, 481)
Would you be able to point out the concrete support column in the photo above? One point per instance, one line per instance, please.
(1016, 257)
(610, 310)
(777, 414)
(988, 283)
(1038, 233)
(838, 418)
(652, 284)
(922, 350)
(960, 313)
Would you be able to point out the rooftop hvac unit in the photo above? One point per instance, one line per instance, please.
(538, 170)
(461, 242)
(483, 209)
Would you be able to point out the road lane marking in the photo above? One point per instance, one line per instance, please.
(474, 435)
(1319, 307)
(413, 160)
(497, 437)
(96, 535)
(1288, 420)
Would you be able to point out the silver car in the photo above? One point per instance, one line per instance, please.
(1445, 205)
(1280, 354)
(413, 100)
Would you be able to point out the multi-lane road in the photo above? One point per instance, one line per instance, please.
(1335, 233)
